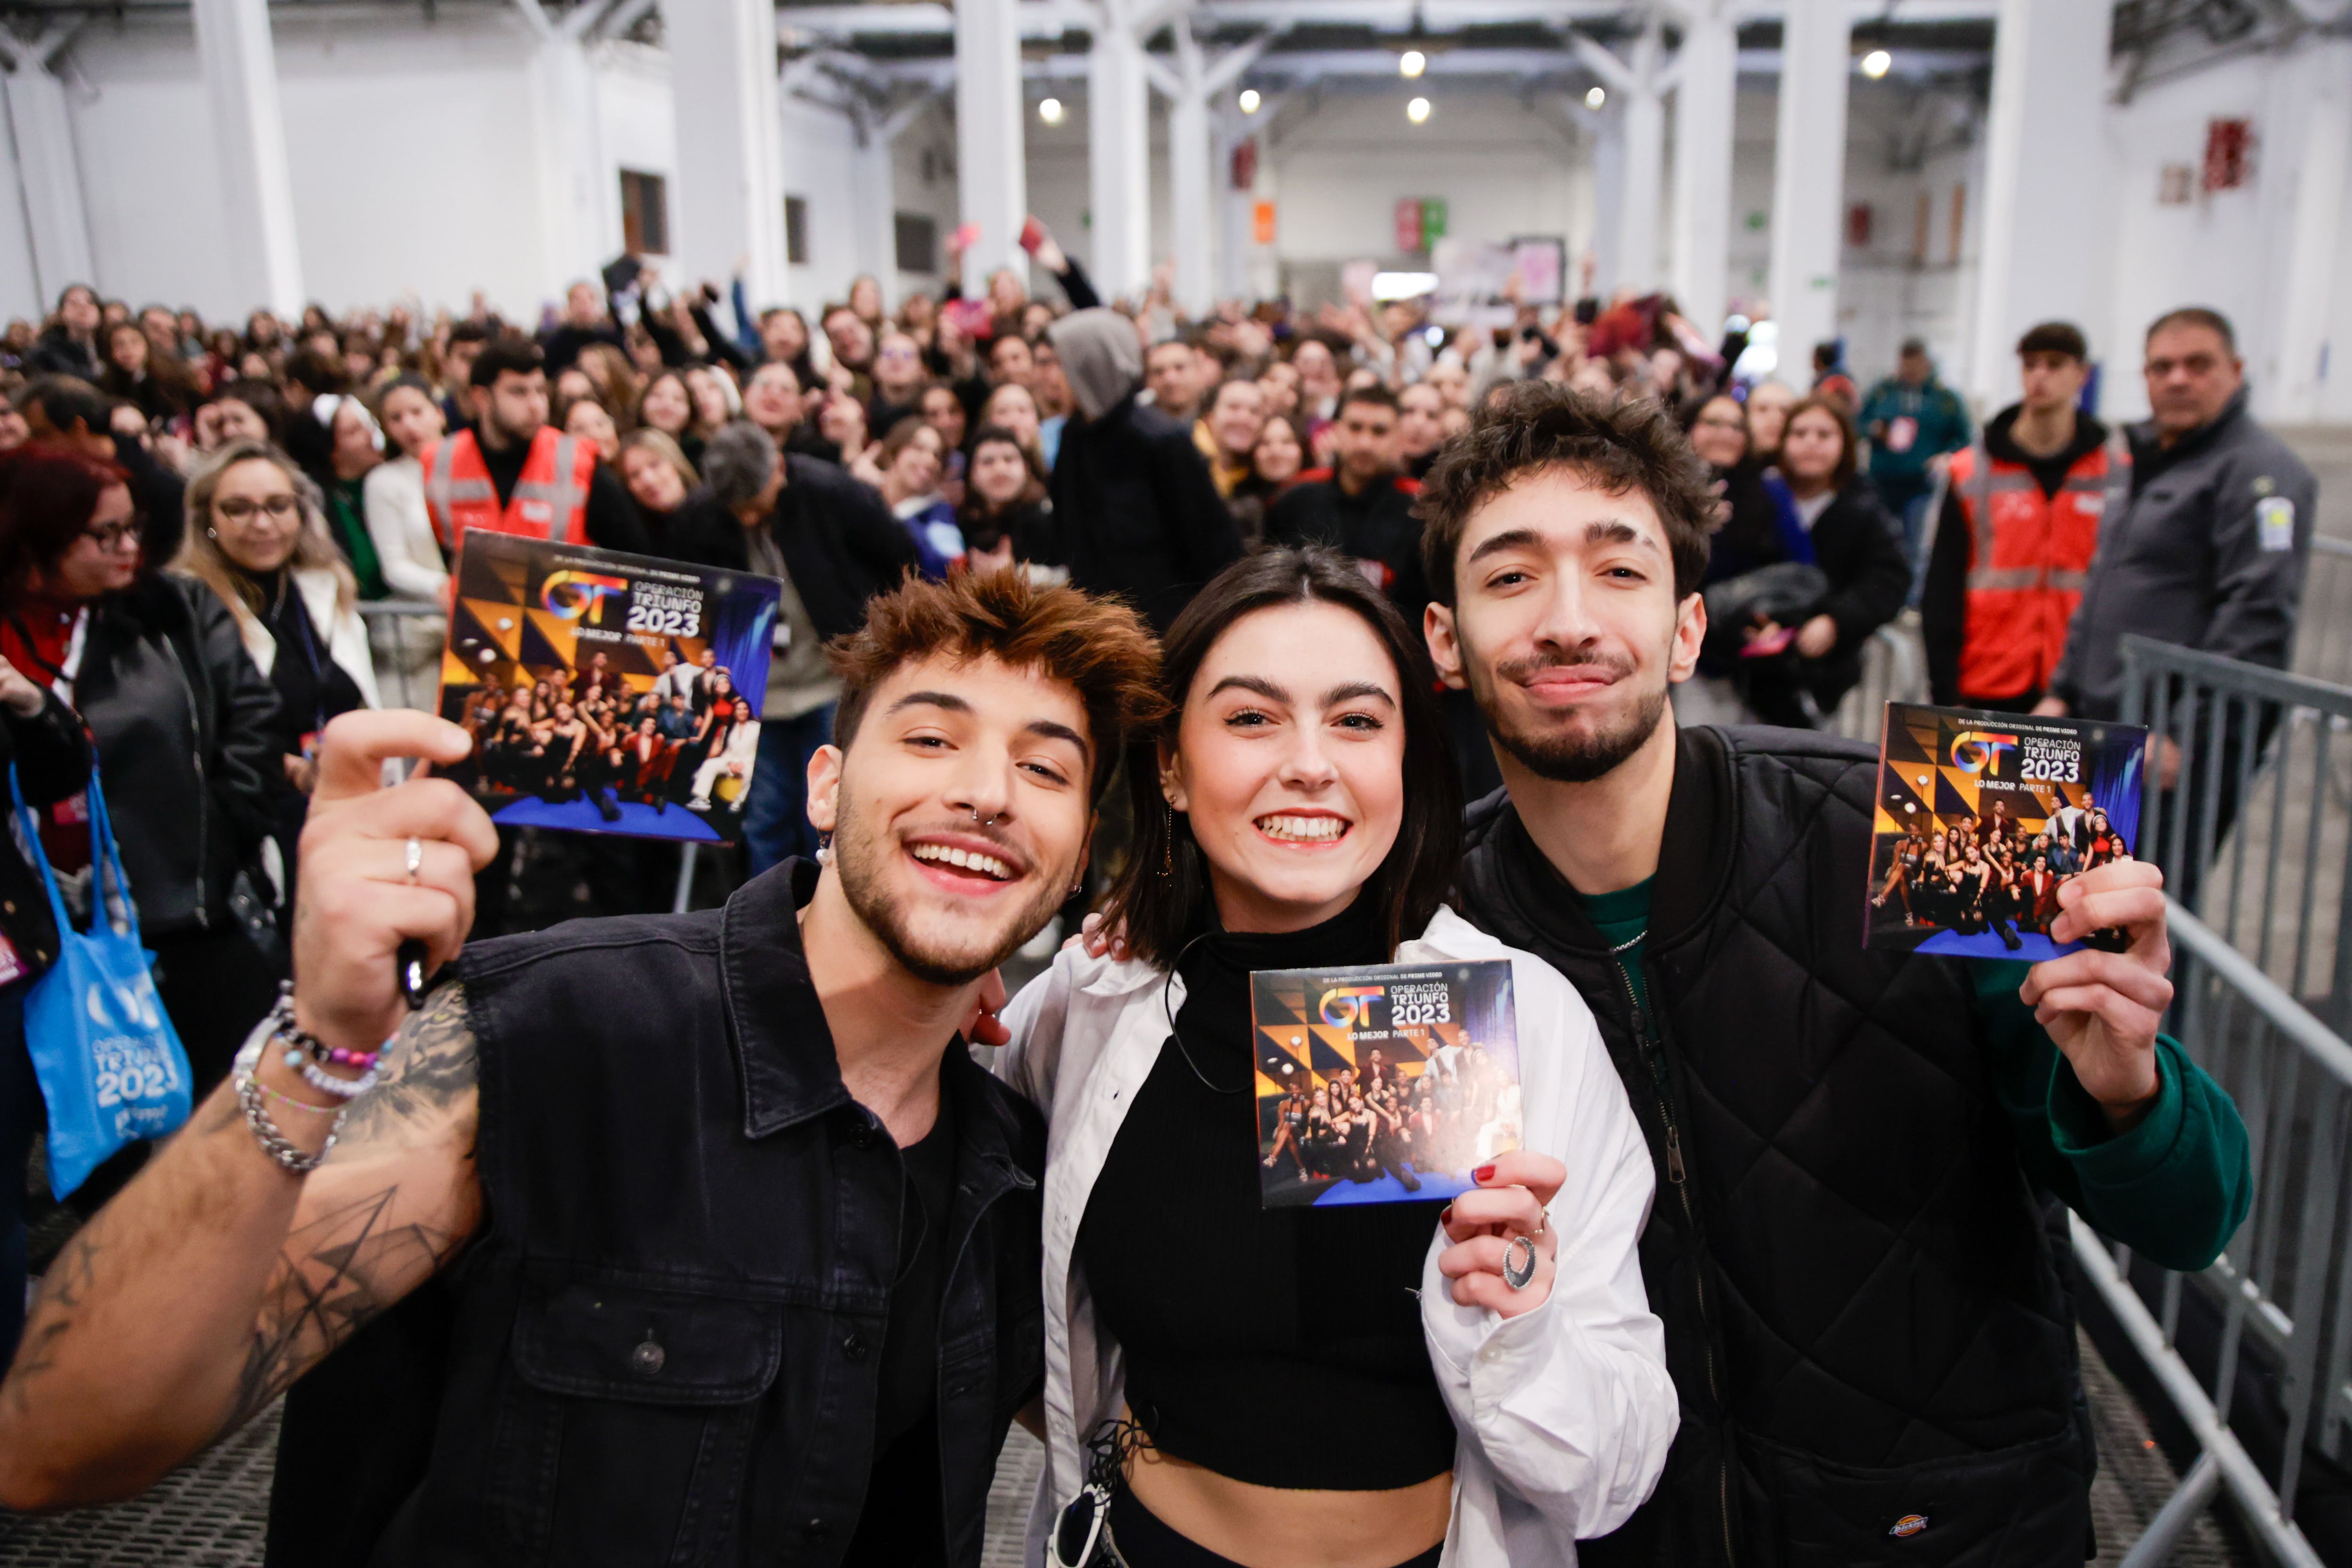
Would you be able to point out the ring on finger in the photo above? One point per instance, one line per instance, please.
(1517, 1275)
(415, 859)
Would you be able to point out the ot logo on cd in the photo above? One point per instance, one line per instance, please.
(578, 595)
(1347, 1005)
(1978, 751)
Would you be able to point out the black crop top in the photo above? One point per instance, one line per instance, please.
(1282, 1349)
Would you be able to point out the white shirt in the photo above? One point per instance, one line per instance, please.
(1564, 1413)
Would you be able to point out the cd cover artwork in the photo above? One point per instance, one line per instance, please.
(606, 692)
(1982, 817)
(1384, 1082)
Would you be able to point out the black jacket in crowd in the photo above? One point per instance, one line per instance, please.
(57, 352)
(183, 722)
(51, 756)
(1854, 542)
(1135, 512)
(1376, 525)
(840, 542)
(1863, 1317)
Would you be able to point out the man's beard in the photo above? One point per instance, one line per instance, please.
(858, 858)
(1566, 757)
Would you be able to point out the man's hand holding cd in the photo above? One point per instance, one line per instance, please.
(2102, 1007)
(380, 866)
(1502, 1256)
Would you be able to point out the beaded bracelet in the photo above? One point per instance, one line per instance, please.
(307, 1045)
(297, 1104)
(303, 1047)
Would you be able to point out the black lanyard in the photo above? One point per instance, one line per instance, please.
(287, 589)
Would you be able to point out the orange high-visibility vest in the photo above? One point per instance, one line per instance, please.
(549, 500)
(2029, 556)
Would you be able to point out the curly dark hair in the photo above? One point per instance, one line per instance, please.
(1621, 445)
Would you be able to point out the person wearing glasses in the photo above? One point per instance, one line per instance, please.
(1492, 1383)
(183, 724)
(259, 544)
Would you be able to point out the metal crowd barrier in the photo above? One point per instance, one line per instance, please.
(2323, 646)
(1894, 670)
(2282, 1290)
(404, 637)
(2256, 837)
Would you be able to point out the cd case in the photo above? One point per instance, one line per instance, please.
(1384, 1082)
(1981, 818)
(606, 692)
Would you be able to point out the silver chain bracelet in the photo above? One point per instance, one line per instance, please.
(274, 1143)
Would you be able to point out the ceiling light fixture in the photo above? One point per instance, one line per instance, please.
(1876, 63)
(1050, 111)
(1411, 63)
(1417, 110)
(1250, 100)
(1596, 98)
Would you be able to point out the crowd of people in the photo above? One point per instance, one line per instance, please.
(1088, 606)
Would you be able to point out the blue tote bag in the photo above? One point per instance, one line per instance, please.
(109, 1062)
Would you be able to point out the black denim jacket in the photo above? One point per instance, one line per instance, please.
(663, 1348)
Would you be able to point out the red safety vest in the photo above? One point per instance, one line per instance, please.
(549, 500)
(2029, 556)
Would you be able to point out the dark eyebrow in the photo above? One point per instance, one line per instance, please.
(1049, 730)
(1509, 538)
(1616, 531)
(1349, 690)
(947, 700)
(1257, 683)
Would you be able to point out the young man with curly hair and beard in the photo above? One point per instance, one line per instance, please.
(1863, 1320)
(692, 1237)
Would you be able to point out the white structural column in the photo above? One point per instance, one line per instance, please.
(1808, 178)
(877, 194)
(580, 224)
(2048, 186)
(991, 149)
(1118, 156)
(58, 229)
(1191, 172)
(1637, 88)
(731, 144)
(2292, 376)
(1608, 135)
(240, 72)
(1228, 131)
(1707, 82)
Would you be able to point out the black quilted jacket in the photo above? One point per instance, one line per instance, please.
(1872, 1350)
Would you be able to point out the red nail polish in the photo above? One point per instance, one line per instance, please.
(1484, 1173)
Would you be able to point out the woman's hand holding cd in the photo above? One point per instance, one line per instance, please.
(1502, 1256)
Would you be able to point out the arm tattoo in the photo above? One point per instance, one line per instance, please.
(340, 1271)
(431, 1065)
(64, 1289)
(334, 1277)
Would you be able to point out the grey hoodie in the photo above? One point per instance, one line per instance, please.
(1101, 357)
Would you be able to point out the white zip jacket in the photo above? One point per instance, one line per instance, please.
(1564, 1413)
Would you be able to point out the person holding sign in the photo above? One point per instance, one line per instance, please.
(691, 1238)
(1300, 809)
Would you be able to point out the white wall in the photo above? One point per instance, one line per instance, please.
(20, 291)
(1503, 168)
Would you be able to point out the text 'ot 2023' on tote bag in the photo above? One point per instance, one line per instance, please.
(109, 1062)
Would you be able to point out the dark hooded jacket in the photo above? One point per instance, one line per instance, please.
(1135, 512)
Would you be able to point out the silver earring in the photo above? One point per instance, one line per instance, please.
(212, 533)
(825, 848)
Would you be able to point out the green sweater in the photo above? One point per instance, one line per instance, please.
(2174, 1188)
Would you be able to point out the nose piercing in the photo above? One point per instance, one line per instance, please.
(991, 816)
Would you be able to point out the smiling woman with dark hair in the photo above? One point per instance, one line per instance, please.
(1300, 809)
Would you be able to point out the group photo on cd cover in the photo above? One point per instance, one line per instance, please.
(1983, 817)
(606, 692)
(1384, 1082)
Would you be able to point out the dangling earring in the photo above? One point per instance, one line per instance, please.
(825, 848)
(1168, 840)
(212, 533)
